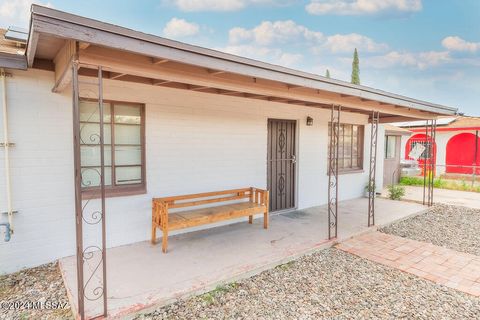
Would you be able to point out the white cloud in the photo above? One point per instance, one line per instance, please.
(17, 12)
(420, 60)
(361, 7)
(221, 5)
(289, 59)
(272, 55)
(348, 42)
(179, 28)
(454, 43)
(278, 32)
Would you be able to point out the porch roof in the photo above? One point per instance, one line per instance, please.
(56, 38)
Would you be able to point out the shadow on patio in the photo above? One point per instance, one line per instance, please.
(140, 276)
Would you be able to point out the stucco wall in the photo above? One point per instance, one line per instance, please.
(195, 142)
(441, 140)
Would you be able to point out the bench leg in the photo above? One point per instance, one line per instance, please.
(265, 220)
(154, 234)
(165, 241)
(250, 219)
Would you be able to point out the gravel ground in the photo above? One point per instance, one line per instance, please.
(329, 284)
(36, 293)
(452, 227)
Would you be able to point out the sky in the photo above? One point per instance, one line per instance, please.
(424, 49)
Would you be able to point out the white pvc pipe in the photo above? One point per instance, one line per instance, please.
(3, 76)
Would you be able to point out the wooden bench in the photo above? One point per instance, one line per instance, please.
(236, 207)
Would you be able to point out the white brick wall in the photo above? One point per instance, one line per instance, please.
(195, 142)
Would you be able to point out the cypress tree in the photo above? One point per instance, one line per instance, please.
(355, 68)
(327, 74)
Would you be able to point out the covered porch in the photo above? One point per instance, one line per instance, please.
(201, 90)
(140, 277)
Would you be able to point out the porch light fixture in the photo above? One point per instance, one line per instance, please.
(309, 121)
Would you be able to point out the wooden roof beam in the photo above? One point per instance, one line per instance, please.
(115, 75)
(291, 86)
(63, 62)
(199, 88)
(230, 93)
(159, 61)
(215, 72)
(161, 82)
(83, 45)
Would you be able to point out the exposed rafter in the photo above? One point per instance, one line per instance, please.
(159, 61)
(114, 75)
(215, 72)
(161, 82)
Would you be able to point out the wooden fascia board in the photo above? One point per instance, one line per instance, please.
(397, 133)
(13, 61)
(69, 30)
(448, 129)
(32, 48)
(392, 119)
(142, 67)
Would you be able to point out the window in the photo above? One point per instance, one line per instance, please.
(124, 147)
(426, 154)
(350, 147)
(390, 147)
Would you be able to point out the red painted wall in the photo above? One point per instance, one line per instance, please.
(461, 151)
(421, 161)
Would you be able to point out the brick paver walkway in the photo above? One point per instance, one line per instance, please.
(451, 268)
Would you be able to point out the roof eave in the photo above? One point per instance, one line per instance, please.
(57, 23)
(13, 61)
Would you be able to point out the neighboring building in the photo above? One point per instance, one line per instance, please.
(456, 151)
(392, 154)
(178, 119)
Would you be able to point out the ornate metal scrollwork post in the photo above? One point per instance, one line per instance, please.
(429, 165)
(78, 189)
(373, 166)
(433, 162)
(333, 171)
(89, 210)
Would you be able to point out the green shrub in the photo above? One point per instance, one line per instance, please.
(439, 183)
(411, 181)
(396, 192)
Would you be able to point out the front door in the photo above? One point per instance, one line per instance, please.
(281, 164)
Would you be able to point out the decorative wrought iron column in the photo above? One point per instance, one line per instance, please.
(433, 162)
(333, 151)
(429, 162)
(373, 166)
(90, 206)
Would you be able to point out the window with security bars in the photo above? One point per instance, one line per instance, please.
(350, 148)
(124, 147)
(426, 154)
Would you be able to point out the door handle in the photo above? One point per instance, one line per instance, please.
(294, 159)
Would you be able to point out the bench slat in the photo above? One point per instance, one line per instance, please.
(202, 195)
(206, 201)
(192, 218)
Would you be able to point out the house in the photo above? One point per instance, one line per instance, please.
(177, 119)
(456, 144)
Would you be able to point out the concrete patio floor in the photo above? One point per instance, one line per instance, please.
(140, 277)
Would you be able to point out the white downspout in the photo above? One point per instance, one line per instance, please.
(6, 144)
